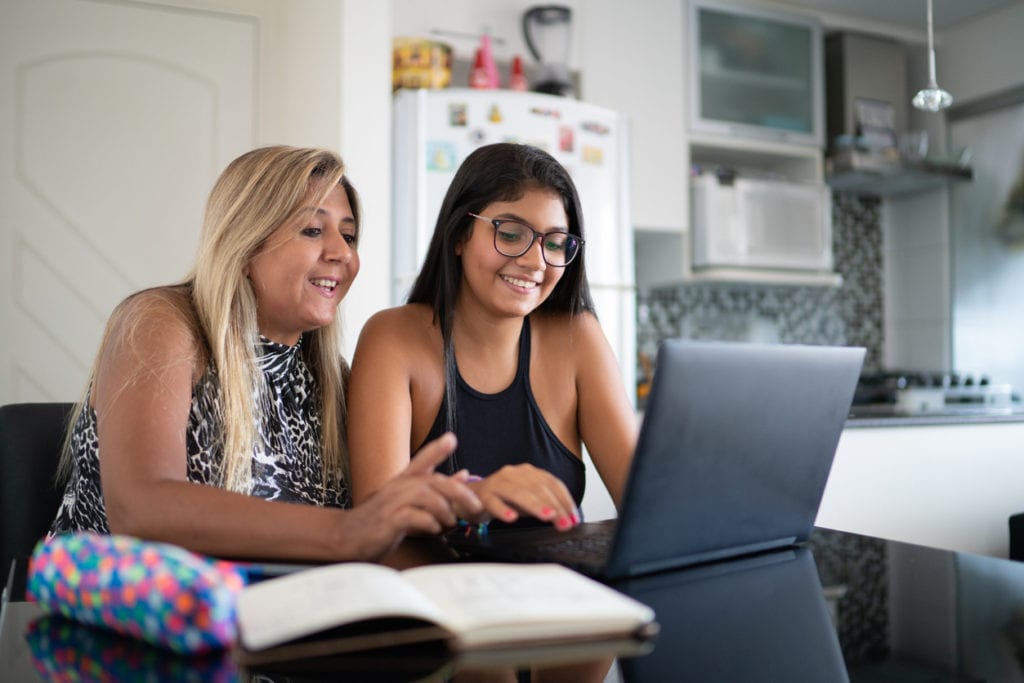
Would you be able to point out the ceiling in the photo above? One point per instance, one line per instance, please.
(906, 13)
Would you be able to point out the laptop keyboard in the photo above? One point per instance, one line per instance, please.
(586, 554)
(586, 548)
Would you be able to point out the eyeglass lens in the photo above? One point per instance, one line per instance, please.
(515, 239)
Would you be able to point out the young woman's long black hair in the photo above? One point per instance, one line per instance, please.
(501, 172)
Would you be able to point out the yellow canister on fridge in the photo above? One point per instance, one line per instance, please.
(421, 63)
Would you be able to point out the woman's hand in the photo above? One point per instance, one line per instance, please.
(418, 500)
(523, 489)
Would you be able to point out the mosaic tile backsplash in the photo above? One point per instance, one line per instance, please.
(847, 315)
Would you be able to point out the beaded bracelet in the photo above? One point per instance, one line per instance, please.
(481, 528)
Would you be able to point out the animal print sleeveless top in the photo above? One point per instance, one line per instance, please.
(287, 460)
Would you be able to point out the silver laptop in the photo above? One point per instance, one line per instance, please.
(734, 452)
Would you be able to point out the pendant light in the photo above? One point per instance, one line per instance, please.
(933, 98)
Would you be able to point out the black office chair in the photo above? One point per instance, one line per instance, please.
(1017, 536)
(31, 436)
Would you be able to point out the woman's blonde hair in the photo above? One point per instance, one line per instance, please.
(257, 193)
(254, 195)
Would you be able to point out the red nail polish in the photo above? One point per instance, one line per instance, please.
(546, 512)
(509, 515)
(563, 523)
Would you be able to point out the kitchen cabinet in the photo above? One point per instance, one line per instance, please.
(861, 70)
(755, 74)
(756, 112)
(638, 63)
(869, 70)
(949, 486)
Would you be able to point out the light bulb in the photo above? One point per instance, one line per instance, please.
(932, 99)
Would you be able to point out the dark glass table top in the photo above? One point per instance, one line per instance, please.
(842, 607)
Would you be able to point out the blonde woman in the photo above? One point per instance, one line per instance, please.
(215, 414)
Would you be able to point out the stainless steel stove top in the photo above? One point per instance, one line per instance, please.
(920, 393)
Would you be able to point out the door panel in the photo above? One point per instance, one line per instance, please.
(116, 119)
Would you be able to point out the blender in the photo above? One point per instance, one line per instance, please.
(547, 29)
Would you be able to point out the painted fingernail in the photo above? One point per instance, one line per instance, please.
(575, 518)
(546, 512)
(509, 515)
(563, 523)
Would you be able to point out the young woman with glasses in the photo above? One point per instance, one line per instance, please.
(498, 344)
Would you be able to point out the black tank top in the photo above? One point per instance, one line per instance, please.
(507, 428)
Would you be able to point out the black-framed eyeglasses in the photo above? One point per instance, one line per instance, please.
(513, 238)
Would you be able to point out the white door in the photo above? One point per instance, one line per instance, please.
(115, 119)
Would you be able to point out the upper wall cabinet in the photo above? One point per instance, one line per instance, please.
(755, 74)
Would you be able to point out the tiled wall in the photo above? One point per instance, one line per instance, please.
(851, 314)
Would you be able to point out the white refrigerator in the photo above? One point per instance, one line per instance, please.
(434, 130)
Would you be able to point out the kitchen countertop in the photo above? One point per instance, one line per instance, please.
(887, 415)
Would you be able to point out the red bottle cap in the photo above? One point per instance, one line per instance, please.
(478, 77)
(516, 77)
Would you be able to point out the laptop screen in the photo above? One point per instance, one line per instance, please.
(734, 451)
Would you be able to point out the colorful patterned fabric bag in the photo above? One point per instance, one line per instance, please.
(156, 592)
(65, 651)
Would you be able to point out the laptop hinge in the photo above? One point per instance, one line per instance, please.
(639, 568)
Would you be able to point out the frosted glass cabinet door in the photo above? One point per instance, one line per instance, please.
(755, 73)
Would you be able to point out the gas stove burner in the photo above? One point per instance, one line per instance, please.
(902, 379)
(916, 391)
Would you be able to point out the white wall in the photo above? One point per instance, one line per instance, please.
(461, 23)
(301, 85)
(983, 55)
(988, 269)
(634, 58)
(365, 144)
(979, 57)
(916, 281)
(327, 83)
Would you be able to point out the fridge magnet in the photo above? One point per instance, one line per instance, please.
(593, 155)
(440, 156)
(457, 114)
(477, 136)
(565, 138)
(544, 111)
(596, 128)
(495, 115)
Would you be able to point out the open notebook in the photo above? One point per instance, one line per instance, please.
(734, 452)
